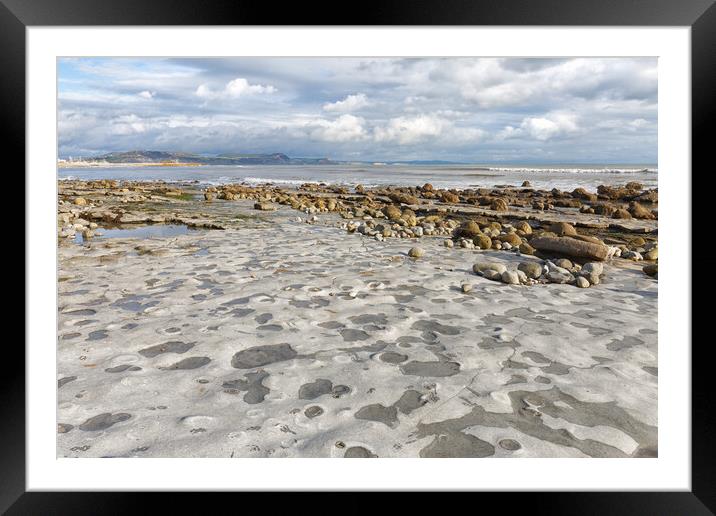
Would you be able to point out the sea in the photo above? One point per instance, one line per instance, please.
(563, 177)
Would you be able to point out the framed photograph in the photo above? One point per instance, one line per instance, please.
(426, 236)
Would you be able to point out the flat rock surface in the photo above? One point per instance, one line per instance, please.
(285, 339)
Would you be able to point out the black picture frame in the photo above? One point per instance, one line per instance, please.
(700, 15)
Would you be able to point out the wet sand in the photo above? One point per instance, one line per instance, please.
(278, 338)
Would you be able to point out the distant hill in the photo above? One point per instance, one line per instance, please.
(147, 156)
(276, 158)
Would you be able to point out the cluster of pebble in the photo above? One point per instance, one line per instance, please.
(560, 271)
(368, 216)
(400, 229)
(70, 221)
(517, 237)
(641, 250)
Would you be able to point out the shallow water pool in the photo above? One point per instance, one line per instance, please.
(150, 231)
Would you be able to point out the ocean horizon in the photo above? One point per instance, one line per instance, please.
(563, 176)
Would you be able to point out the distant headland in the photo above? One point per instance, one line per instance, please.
(162, 158)
(178, 159)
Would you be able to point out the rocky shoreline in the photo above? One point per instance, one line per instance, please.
(574, 227)
(326, 321)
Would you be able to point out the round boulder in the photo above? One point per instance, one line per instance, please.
(525, 248)
(582, 282)
(593, 268)
(482, 267)
(416, 252)
(651, 269)
(562, 229)
(652, 255)
(510, 277)
(531, 269)
(499, 204)
(564, 263)
(511, 238)
(392, 212)
(524, 226)
(621, 213)
(482, 241)
(468, 229)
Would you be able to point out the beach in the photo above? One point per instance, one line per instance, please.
(245, 319)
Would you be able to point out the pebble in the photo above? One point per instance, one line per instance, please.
(651, 269)
(637, 241)
(483, 241)
(563, 229)
(525, 248)
(264, 206)
(522, 276)
(416, 252)
(582, 282)
(511, 278)
(553, 267)
(492, 275)
(592, 277)
(449, 243)
(558, 277)
(530, 269)
(564, 263)
(593, 268)
(486, 266)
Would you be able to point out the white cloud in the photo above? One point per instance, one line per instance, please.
(406, 130)
(494, 83)
(233, 89)
(463, 135)
(344, 129)
(433, 128)
(241, 86)
(350, 103)
(128, 124)
(638, 123)
(507, 133)
(70, 124)
(379, 108)
(542, 128)
(204, 91)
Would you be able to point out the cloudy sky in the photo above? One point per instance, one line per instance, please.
(598, 110)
